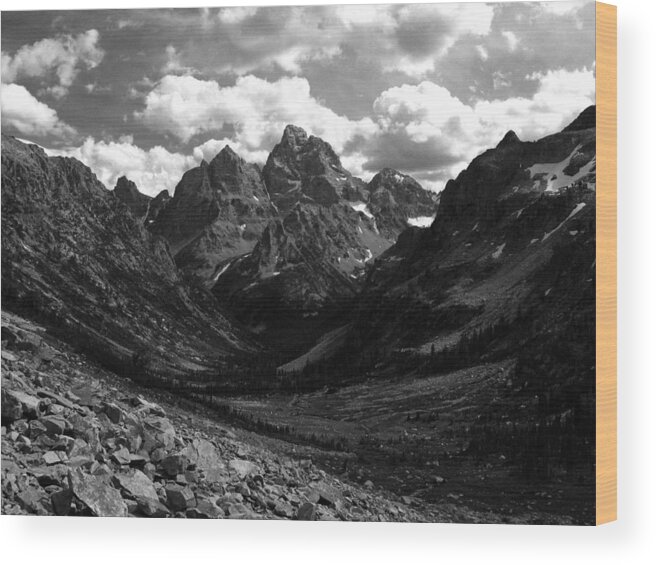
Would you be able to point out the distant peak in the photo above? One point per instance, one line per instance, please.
(509, 138)
(228, 151)
(125, 185)
(294, 134)
(226, 156)
(585, 120)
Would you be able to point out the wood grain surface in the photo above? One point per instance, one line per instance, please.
(606, 31)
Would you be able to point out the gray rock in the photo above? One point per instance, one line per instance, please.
(283, 509)
(121, 456)
(179, 498)
(152, 508)
(239, 511)
(113, 412)
(174, 464)
(51, 458)
(243, 468)
(306, 512)
(98, 496)
(206, 509)
(61, 502)
(19, 404)
(158, 432)
(136, 485)
(55, 425)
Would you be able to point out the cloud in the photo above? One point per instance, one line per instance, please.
(59, 59)
(525, 38)
(420, 129)
(152, 170)
(256, 109)
(394, 38)
(425, 131)
(24, 113)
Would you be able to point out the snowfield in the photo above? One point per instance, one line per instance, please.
(362, 207)
(421, 221)
(555, 175)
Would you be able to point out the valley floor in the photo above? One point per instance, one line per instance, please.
(387, 450)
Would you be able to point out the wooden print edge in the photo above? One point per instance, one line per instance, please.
(606, 268)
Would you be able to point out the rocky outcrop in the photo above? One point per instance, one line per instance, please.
(217, 212)
(305, 169)
(395, 199)
(128, 193)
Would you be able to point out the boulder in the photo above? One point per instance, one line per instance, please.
(239, 511)
(136, 485)
(283, 509)
(152, 508)
(243, 468)
(121, 456)
(174, 464)
(179, 498)
(51, 458)
(206, 509)
(96, 494)
(158, 432)
(55, 425)
(61, 502)
(306, 512)
(112, 411)
(17, 404)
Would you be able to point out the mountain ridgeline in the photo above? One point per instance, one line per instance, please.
(298, 276)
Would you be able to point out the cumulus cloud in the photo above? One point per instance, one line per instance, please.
(24, 113)
(59, 59)
(426, 131)
(525, 38)
(152, 170)
(406, 39)
(257, 110)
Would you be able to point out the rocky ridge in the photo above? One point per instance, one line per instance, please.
(218, 211)
(74, 258)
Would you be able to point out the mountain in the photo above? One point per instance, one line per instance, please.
(504, 275)
(302, 270)
(311, 258)
(305, 169)
(128, 193)
(397, 200)
(494, 247)
(74, 259)
(218, 211)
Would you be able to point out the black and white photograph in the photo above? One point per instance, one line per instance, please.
(311, 263)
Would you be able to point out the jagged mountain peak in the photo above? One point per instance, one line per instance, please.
(227, 154)
(128, 193)
(585, 120)
(509, 139)
(294, 135)
(125, 188)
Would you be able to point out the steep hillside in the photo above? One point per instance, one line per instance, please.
(74, 256)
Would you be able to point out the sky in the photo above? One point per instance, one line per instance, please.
(422, 88)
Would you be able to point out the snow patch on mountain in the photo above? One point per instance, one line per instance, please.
(362, 207)
(554, 173)
(421, 221)
(573, 213)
